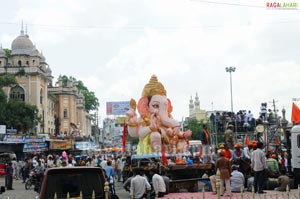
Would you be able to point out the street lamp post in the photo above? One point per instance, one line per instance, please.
(230, 70)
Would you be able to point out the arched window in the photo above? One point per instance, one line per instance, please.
(19, 63)
(41, 96)
(65, 113)
(17, 92)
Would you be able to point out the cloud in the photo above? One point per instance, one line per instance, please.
(115, 46)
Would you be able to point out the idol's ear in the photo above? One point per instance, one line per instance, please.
(170, 107)
(143, 106)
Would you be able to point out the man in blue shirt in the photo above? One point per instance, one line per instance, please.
(110, 173)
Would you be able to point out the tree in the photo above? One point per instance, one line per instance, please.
(196, 127)
(15, 113)
(20, 115)
(5, 80)
(91, 101)
(7, 52)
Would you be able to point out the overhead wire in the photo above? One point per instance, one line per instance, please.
(228, 4)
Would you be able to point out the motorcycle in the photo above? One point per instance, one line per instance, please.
(32, 180)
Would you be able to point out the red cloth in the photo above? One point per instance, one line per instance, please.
(228, 154)
(247, 142)
(200, 151)
(295, 114)
(163, 155)
(124, 136)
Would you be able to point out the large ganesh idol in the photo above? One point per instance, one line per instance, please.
(155, 126)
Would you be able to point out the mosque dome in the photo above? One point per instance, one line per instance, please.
(22, 45)
(2, 52)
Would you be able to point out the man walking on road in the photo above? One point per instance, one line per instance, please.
(139, 185)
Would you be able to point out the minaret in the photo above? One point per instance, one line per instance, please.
(197, 102)
(191, 106)
(22, 28)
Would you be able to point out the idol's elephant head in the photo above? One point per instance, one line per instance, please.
(159, 106)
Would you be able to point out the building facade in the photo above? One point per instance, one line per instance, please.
(61, 107)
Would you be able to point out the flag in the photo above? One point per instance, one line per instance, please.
(247, 142)
(163, 155)
(295, 114)
(200, 152)
(124, 136)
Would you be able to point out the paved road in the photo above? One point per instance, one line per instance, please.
(19, 191)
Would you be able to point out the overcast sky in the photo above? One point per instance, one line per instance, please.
(114, 46)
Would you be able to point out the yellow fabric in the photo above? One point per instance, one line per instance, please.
(144, 146)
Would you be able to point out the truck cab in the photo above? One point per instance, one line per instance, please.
(295, 149)
(72, 182)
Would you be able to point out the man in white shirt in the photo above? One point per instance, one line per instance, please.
(119, 167)
(259, 165)
(139, 185)
(237, 179)
(248, 150)
(103, 164)
(158, 184)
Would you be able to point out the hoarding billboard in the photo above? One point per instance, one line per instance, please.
(117, 108)
(2, 129)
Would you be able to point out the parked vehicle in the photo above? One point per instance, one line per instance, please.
(4, 159)
(73, 181)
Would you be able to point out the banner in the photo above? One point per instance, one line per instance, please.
(117, 108)
(2, 129)
(35, 147)
(85, 146)
(60, 145)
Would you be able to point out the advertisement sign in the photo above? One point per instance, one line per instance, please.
(85, 145)
(2, 129)
(35, 147)
(117, 108)
(11, 131)
(61, 145)
(14, 139)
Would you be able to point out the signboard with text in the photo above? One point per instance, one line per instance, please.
(117, 108)
(60, 145)
(2, 129)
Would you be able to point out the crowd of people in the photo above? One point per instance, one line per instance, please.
(242, 120)
(19, 170)
(249, 167)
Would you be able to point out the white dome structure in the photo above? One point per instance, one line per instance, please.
(22, 45)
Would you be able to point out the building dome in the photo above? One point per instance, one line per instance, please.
(22, 45)
(35, 52)
(43, 59)
(49, 71)
(2, 53)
